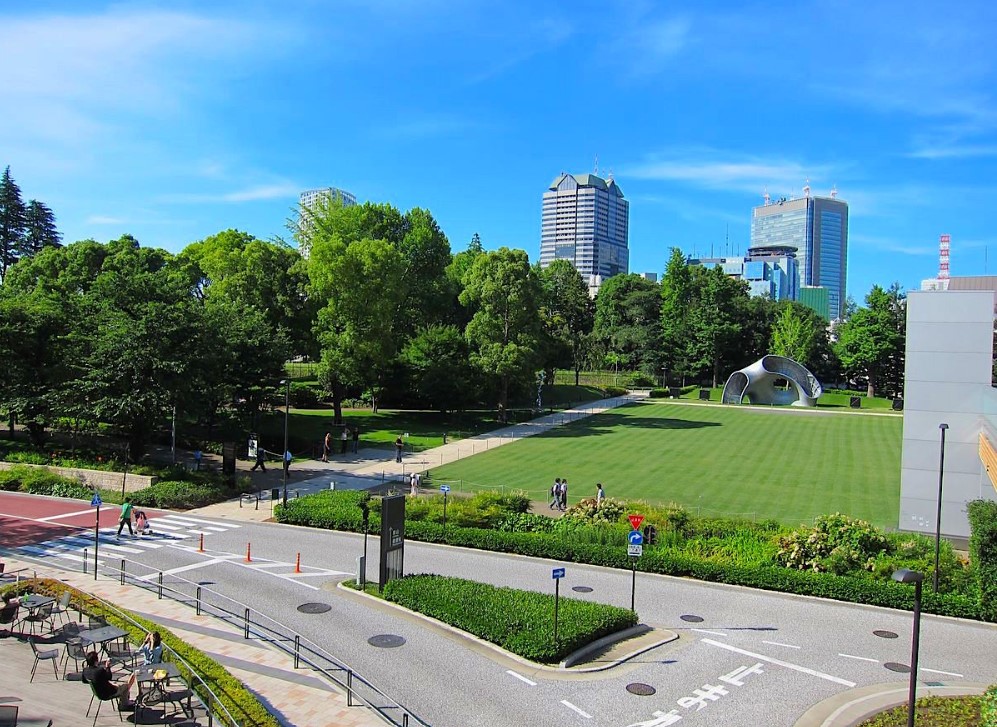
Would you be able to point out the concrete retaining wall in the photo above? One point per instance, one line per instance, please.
(95, 478)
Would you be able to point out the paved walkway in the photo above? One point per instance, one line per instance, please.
(295, 696)
(371, 468)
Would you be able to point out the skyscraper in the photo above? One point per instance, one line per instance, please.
(585, 220)
(310, 196)
(817, 227)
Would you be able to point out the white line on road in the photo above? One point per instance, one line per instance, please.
(779, 662)
(325, 574)
(704, 631)
(946, 673)
(160, 525)
(569, 705)
(520, 677)
(196, 521)
(860, 658)
(181, 569)
(50, 518)
(777, 643)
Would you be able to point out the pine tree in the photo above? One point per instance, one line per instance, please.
(40, 229)
(13, 221)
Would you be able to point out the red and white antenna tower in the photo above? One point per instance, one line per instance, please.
(943, 257)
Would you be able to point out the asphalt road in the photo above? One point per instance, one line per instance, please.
(744, 657)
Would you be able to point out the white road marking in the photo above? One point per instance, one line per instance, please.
(199, 532)
(216, 530)
(860, 658)
(520, 677)
(324, 574)
(50, 518)
(196, 521)
(181, 569)
(776, 643)
(569, 705)
(704, 631)
(946, 673)
(779, 662)
(160, 525)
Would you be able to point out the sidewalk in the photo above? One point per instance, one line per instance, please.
(295, 696)
(374, 467)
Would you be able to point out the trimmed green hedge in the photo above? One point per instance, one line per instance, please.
(612, 391)
(341, 511)
(988, 708)
(519, 621)
(240, 702)
(983, 553)
(41, 482)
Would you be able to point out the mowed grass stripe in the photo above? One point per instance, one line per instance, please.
(787, 465)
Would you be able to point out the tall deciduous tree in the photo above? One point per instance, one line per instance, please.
(628, 322)
(676, 297)
(437, 362)
(871, 342)
(793, 335)
(716, 319)
(505, 331)
(568, 314)
(13, 219)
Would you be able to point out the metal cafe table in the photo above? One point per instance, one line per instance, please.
(150, 679)
(102, 636)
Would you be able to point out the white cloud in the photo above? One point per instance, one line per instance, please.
(104, 220)
(256, 193)
(953, 151)
(888, 244)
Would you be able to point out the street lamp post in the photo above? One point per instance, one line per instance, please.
(938, 515)
(287, 411)
(912, 576)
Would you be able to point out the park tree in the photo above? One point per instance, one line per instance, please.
(715, 321)
(871, 342)
(505, 332)
(456, 273)
(676, 297)
(39, 229)
(793, 334)
(568, 314)
(425, 252)
(437, 363)
(628, 322)
(13, 222)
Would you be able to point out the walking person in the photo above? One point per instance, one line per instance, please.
(413, 485)
(356, 439)
(600, 495)
(564, 493)
(555, 494)
(261, 459)
(326, 446)
(126, 518)
(399, 445)
(287, 462)
(343, 439)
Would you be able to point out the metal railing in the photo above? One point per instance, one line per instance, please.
(359, 690)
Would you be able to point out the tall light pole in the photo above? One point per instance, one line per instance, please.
(912, 576)
(287, 411)
(938, 515)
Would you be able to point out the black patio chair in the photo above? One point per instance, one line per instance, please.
(8, 617)
(43, 655)
(77, 652)
(100, 701)
(8, 716)
(41, 616)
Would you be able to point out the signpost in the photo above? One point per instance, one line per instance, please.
(557, 574)
(635, 549)
(96, 502)
(444, 489)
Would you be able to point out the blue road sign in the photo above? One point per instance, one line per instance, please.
(444, 488)
(96, 501)
(557, 573)
(636, 537)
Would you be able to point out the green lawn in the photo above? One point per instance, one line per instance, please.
(789, 465)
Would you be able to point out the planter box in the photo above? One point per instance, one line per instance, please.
(95, 478)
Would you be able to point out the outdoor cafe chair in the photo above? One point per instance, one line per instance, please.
(76, 652)
(100, 700)
(8, 716)
(42, 615)
(46, 654)
(61, 609)
(8, 617)
(179, 699)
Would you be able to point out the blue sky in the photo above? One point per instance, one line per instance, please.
(172, 121)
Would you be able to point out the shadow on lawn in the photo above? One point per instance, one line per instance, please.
(607, 422)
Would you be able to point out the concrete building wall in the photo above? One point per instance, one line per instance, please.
(947, 380)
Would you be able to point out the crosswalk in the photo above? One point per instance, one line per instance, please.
(162, 531)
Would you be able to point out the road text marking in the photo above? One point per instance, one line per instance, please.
(779, 662)
(520, 677)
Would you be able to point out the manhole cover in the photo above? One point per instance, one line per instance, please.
(386, 641)
(692, 619)
(582, 589)
(894, 666)
(314, 607)
(641, 690)
(885, 634)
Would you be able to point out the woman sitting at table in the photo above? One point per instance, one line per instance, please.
(100, 678)
(152, 649)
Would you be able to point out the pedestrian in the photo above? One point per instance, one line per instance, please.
(126, 517)
(261, 459)
(418, 480)
(600, 495)
(326, 446)
(287, 462)
(343, 439)
(399, 444)
(197, 460)
(555, 493)
(413, 485)
(356, 439)
(444, 437)
(564, 493)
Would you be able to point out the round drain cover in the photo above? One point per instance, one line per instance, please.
(582, 589)
(885, 634)
(894, 666)
(314, 607)
(692, 619)
(386, 641)
(641, 690)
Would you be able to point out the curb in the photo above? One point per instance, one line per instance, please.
(854, 706)
(565, 668)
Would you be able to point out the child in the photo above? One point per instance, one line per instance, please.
(142, 523)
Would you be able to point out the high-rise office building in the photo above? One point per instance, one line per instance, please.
(310, 196)
(585, 220)
(768, 271)
(817, 227)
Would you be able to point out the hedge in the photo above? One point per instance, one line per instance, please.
(983, 553)
(519, 621)
(341, 511)
(240, 702)
(988, 708)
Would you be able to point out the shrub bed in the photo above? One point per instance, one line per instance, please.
(243, 705)
(41, 482)
(988, 708)
(933, 711)
(983, 553)
(519, 621)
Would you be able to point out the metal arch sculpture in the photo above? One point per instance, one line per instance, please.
(757, 382)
